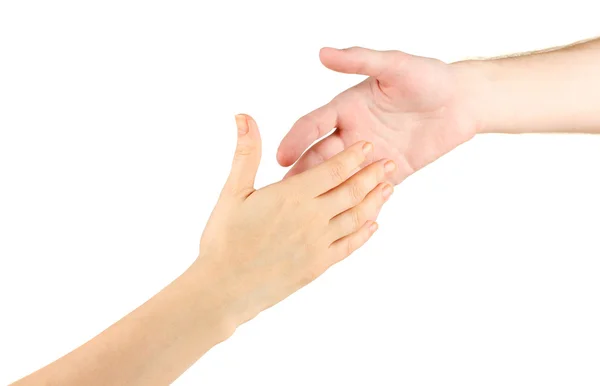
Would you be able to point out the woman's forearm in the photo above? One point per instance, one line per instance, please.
(258, 247)
(152, 345)
(556, 90)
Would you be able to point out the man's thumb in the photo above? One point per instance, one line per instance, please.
(246, 159)
(358, 60)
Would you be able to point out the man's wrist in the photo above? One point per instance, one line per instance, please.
(552, 91)
(475, 79)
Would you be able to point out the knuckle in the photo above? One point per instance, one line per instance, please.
(310, 121)
(243, 151)
(350, 246)
(362, 67)
(398, 59)
(356, 218)
(356, 191)
(241, 191)
(354, 156)
(312, 124)
(303, 121)
(337, 171)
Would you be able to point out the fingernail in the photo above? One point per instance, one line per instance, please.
(367, 148)
(373, 227)
(387, 192)
(389, 167)
(242, 124)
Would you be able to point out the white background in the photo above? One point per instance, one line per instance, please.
(116, 134)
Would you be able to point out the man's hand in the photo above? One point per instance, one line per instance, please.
(413, 109)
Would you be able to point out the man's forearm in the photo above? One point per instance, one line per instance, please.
(555, 90)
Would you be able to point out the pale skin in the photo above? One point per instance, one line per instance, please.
(416, 109)
(260, 246)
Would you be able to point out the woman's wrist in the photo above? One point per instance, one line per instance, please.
(214, 302)
(158, 340)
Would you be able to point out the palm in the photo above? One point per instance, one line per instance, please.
(412, 115)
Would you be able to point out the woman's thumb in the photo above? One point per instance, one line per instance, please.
(246, 158)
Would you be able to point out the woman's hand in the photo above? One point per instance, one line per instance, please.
(260, 246)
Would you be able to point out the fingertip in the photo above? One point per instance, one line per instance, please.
(389, 167)
(241, 121)
(283, 157)
(373, 227)
(326, 50)
(251, 121)
(280, 158)
(363, 148)
(326, 53)
(367, 148)
(387, 191)
(253, 128)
